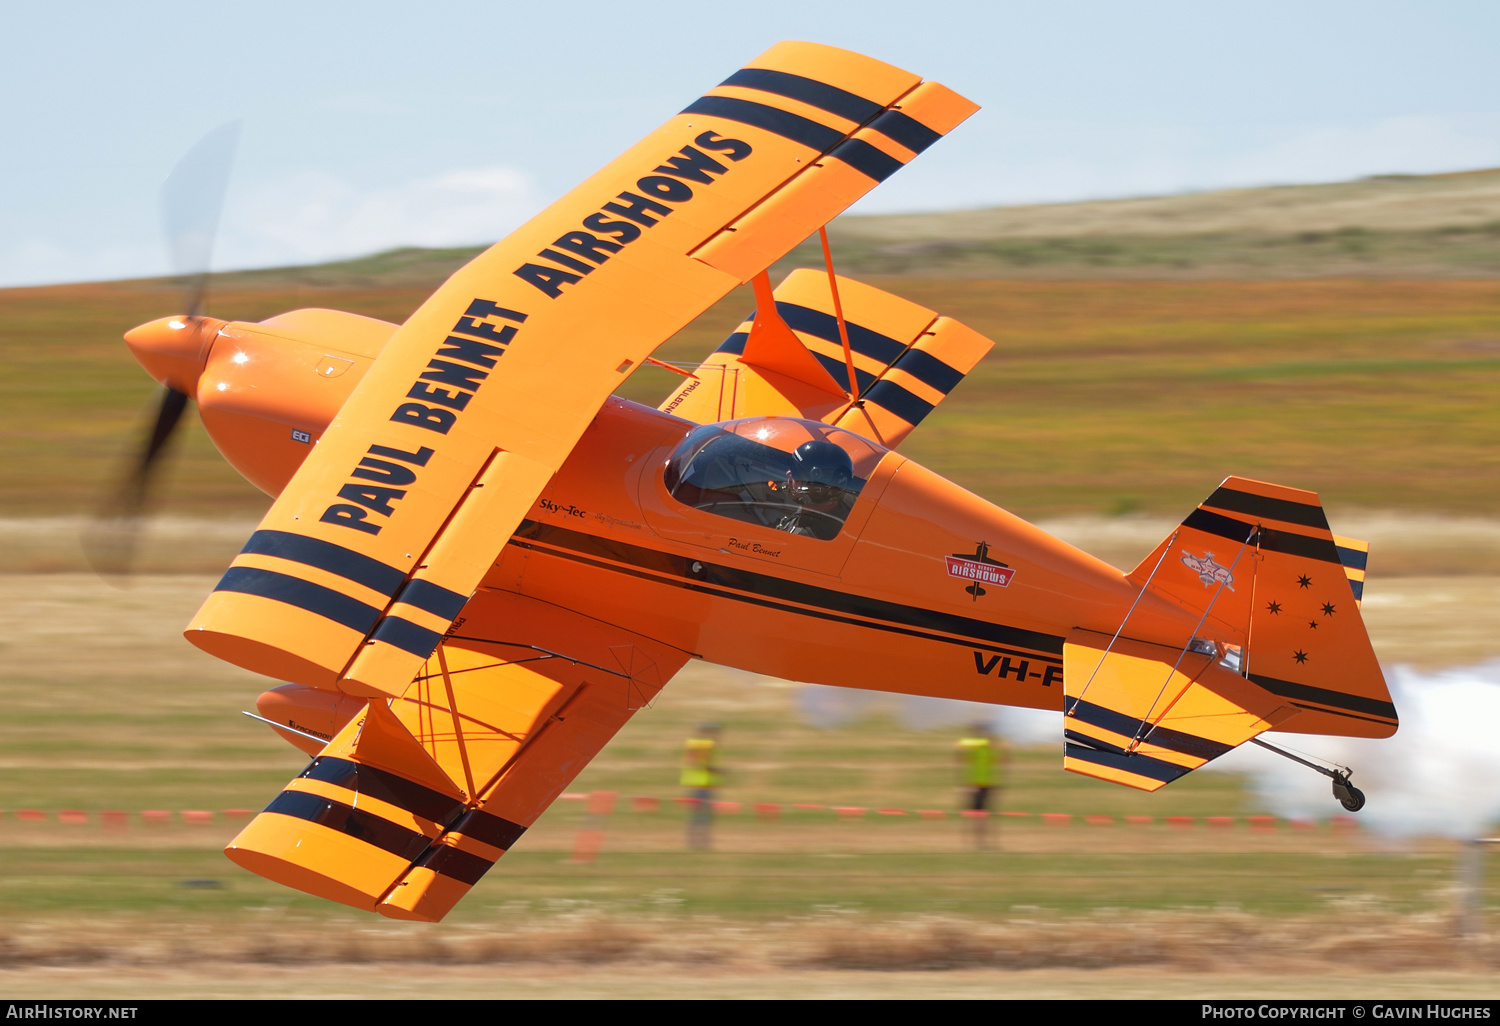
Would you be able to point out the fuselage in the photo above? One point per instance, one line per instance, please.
(927, 589)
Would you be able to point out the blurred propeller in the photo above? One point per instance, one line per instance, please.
(192, 198)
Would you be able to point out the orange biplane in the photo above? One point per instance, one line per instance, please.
(480, 562)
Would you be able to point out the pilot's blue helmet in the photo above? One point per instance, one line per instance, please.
(820, 470)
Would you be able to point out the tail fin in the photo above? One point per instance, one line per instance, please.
(1280, 644)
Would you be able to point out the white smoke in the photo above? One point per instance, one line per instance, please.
(1439, 775)
(829, 707)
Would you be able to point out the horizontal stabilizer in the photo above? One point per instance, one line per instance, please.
(1143, 715)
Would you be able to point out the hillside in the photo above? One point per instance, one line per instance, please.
(1445, 226)
(1394, 226)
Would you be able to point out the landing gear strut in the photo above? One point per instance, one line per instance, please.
(1349, 796)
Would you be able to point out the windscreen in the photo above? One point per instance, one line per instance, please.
(797, 476)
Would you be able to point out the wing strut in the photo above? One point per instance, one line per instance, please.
(674, 369)
(458, 728)
(1142, 730)
(1139, 595)
(838, 313)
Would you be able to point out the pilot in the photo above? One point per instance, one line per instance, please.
(817, 483)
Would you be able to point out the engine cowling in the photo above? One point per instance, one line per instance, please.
(266, 391)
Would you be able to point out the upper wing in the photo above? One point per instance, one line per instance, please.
(413, 800)
(906, 360)
(383, 533)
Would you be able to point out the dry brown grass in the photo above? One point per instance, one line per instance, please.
(1401, 544)
(1192, 942)
(618, 981)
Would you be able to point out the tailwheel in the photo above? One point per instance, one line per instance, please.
(1349, 796)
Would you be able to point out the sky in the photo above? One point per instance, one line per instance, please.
(374, 125)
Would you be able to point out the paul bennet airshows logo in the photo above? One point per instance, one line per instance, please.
(978, 568)
(448, 387)
(622, 219)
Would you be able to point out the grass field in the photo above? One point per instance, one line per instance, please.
(1099, 397)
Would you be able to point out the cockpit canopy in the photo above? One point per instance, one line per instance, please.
(797, 476)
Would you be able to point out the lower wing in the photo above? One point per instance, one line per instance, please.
(415, 798)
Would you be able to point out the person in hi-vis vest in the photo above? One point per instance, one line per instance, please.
(981, 762)
(701, 777)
